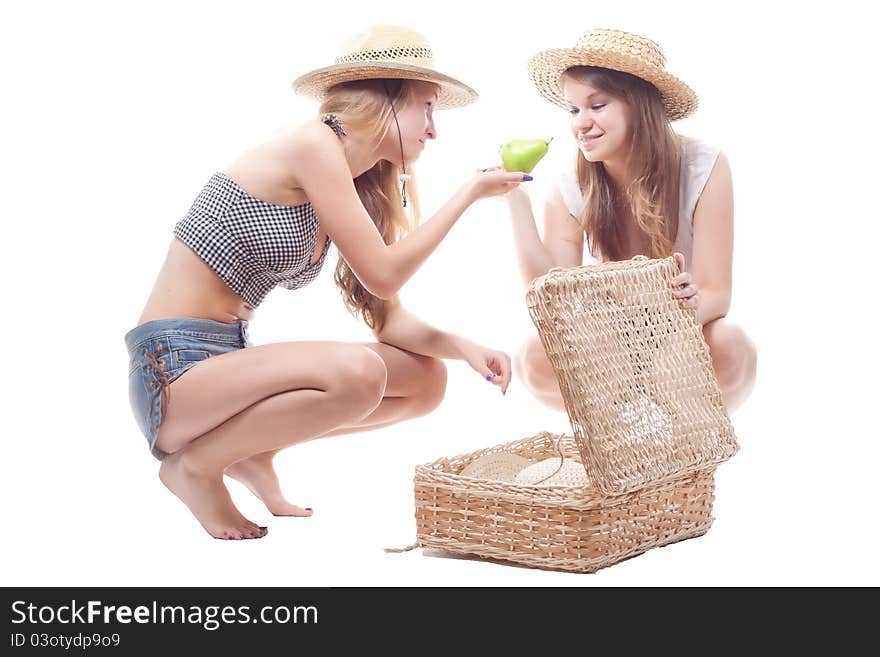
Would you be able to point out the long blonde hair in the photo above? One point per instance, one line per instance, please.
(364, 104)
(655, 154)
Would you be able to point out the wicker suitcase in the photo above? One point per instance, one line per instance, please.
(649, 427)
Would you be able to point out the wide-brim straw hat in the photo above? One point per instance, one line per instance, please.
(617, 50)
(385, 51)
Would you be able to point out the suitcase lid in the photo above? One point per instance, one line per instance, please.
(634, 371)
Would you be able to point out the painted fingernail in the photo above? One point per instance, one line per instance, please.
(489, 377)
(527, 177)
(308, 508)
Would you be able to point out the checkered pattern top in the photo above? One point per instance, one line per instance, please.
(251, 244)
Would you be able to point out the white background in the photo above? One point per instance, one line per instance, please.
(116, 114)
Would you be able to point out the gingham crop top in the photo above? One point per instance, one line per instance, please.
(251, 244)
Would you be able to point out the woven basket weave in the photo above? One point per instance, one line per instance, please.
(649, 427)
(634, 371)
(555, 528)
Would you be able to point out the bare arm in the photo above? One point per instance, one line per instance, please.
(327, 181)
(563, 241)
(712, 265)
(404, 330)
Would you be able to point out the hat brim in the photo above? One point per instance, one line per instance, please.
(453, 93)
(546, 69)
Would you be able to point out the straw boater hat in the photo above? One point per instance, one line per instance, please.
(385, 51)
(620, 51)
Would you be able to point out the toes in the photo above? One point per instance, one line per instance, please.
(254, 531)
(243, 532)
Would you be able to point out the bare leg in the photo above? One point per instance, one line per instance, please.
(258, 474)
(230, 407)
(415, 386)
(734, 360)
(533, 367)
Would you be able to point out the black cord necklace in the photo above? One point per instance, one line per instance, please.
(403, 176)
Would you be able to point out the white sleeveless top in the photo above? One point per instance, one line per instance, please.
(697, 161)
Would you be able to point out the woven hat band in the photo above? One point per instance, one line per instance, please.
(416, 55)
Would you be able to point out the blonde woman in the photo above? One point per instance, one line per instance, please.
(636, 187)
(209, 402)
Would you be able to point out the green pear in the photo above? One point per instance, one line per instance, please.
(523, 154)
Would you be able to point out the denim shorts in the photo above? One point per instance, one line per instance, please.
(161, 350)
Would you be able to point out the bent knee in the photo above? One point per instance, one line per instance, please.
(750, 360)
(533, 366)
(361, 376)
(432, 385)
(734, 354)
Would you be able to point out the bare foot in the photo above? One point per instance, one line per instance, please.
(259, 476)
(208, 500)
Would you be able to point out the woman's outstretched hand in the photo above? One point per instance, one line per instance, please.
(495, 181)
(683, 286)
(493, 366)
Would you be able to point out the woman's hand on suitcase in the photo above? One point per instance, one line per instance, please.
(684, 288)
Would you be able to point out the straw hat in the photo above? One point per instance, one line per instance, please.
(500, 466)
(385, 51)
(550, 472)
(620, 51)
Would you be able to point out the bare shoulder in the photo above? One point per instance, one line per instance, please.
(308, 145)
(721, 168)
(716, 198)
(311, 136)
(563, 235)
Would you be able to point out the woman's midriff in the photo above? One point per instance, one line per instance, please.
(188, 287)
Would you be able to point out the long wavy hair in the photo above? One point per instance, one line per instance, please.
(655, 158)
(366, 105)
